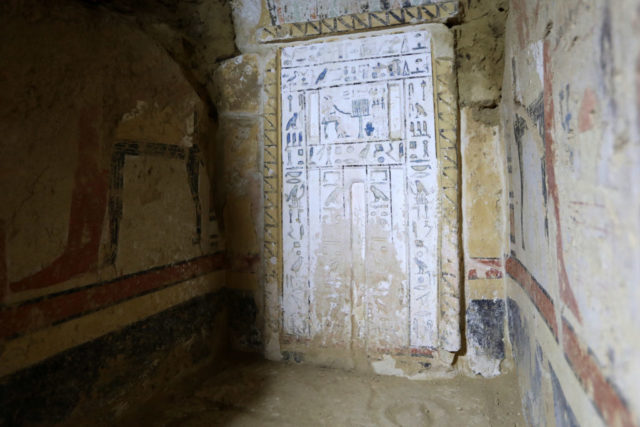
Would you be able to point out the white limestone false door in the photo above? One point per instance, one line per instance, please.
(360, 193)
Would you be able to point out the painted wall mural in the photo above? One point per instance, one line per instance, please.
(312, 24)
(286, 11)
(360, 192)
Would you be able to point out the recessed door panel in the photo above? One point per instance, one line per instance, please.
(360, 193)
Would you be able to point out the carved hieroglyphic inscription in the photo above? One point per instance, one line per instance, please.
(360, 215)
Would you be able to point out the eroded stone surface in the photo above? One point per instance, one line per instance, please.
(237, 84)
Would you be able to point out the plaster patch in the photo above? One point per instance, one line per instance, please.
(387, 366)
(140, 108)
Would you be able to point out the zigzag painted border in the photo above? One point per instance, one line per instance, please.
(272, 258)
(447, 148)
(430, 13)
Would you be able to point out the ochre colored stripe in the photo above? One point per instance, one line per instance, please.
(30, 316)
(540, 298)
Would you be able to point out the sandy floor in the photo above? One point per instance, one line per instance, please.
(260, 393)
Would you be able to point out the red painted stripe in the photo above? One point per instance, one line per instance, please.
(88, 207)
(610, 404)
(494, 262)
(422, 352)
(566, 293)
(537, 294)
(34, 315)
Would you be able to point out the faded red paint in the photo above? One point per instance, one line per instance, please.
(512, 224)
(41, 313)
(522, 26)
(280, 14)
(88, 207)
(245, 263)
(536, 14)
(566, 293)
(493, 262)
(534, 290)
(485, 268)
(638, 90)
(587, 108)
(421, 352)
(605, 397)
(493, 273)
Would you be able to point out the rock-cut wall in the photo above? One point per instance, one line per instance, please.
(110, 257)
(570, 121)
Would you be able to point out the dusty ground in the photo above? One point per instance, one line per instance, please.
(261, 393)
